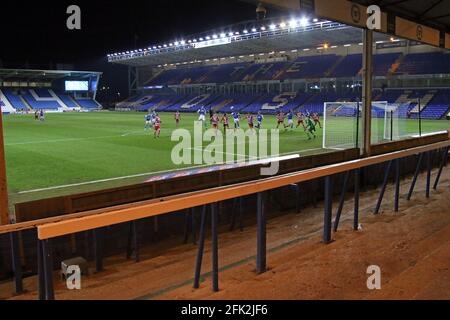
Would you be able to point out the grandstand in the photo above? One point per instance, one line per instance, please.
(298, 78)
(30, 90)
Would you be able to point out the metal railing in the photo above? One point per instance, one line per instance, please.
(48, 229)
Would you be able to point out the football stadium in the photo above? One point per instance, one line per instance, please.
(163, 194)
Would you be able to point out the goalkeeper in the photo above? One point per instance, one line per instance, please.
(310, 128)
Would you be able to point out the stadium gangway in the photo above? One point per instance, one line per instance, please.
(94, 220)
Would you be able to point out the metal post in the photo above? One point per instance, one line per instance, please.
(16, 263)
(357, 123)
(241, 213)
(383, 188)
(392, 125)
(186, 226)
(214, 248)
(4, 206)
(356, 204)
(40, 271)
(416, 174)
(97, 235)
(261, 234)
(367, 91)
(327, 220)
(48, 269)
(233, 214)
(420, 117)
(193, 227)
(296, 188)
(429, 154)
(135, 240)
(201, 246)
(397, 184)
(341, 201)
(441, 167)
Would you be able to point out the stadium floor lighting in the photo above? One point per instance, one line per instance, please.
(282, 25)
(304, 22)
(245, 31)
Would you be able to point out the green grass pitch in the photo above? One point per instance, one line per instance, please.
(73, 148)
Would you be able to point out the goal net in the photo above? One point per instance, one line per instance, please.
(342, 124)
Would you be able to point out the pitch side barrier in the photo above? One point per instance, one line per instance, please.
(95, 220)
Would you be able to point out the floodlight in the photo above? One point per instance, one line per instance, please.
(283, 25)
(272, 27)
(293, 23)
(304, 22)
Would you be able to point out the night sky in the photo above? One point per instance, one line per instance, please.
(34, 34)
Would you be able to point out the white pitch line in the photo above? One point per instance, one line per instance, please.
(110, 179)
(141, 175)
(67, 140)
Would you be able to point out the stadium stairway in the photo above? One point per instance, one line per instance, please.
(221, 105)
(331, 70)
(308, 101)
(29, 108)
(64, 106)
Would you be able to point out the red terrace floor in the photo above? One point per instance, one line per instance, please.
(411, 247)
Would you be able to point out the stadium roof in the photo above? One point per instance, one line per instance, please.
(434, 13)
(49, 75)
(269, 35)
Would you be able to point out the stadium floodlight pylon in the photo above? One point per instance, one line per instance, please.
(342, 124)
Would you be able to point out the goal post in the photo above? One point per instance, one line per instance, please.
(342, 124)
